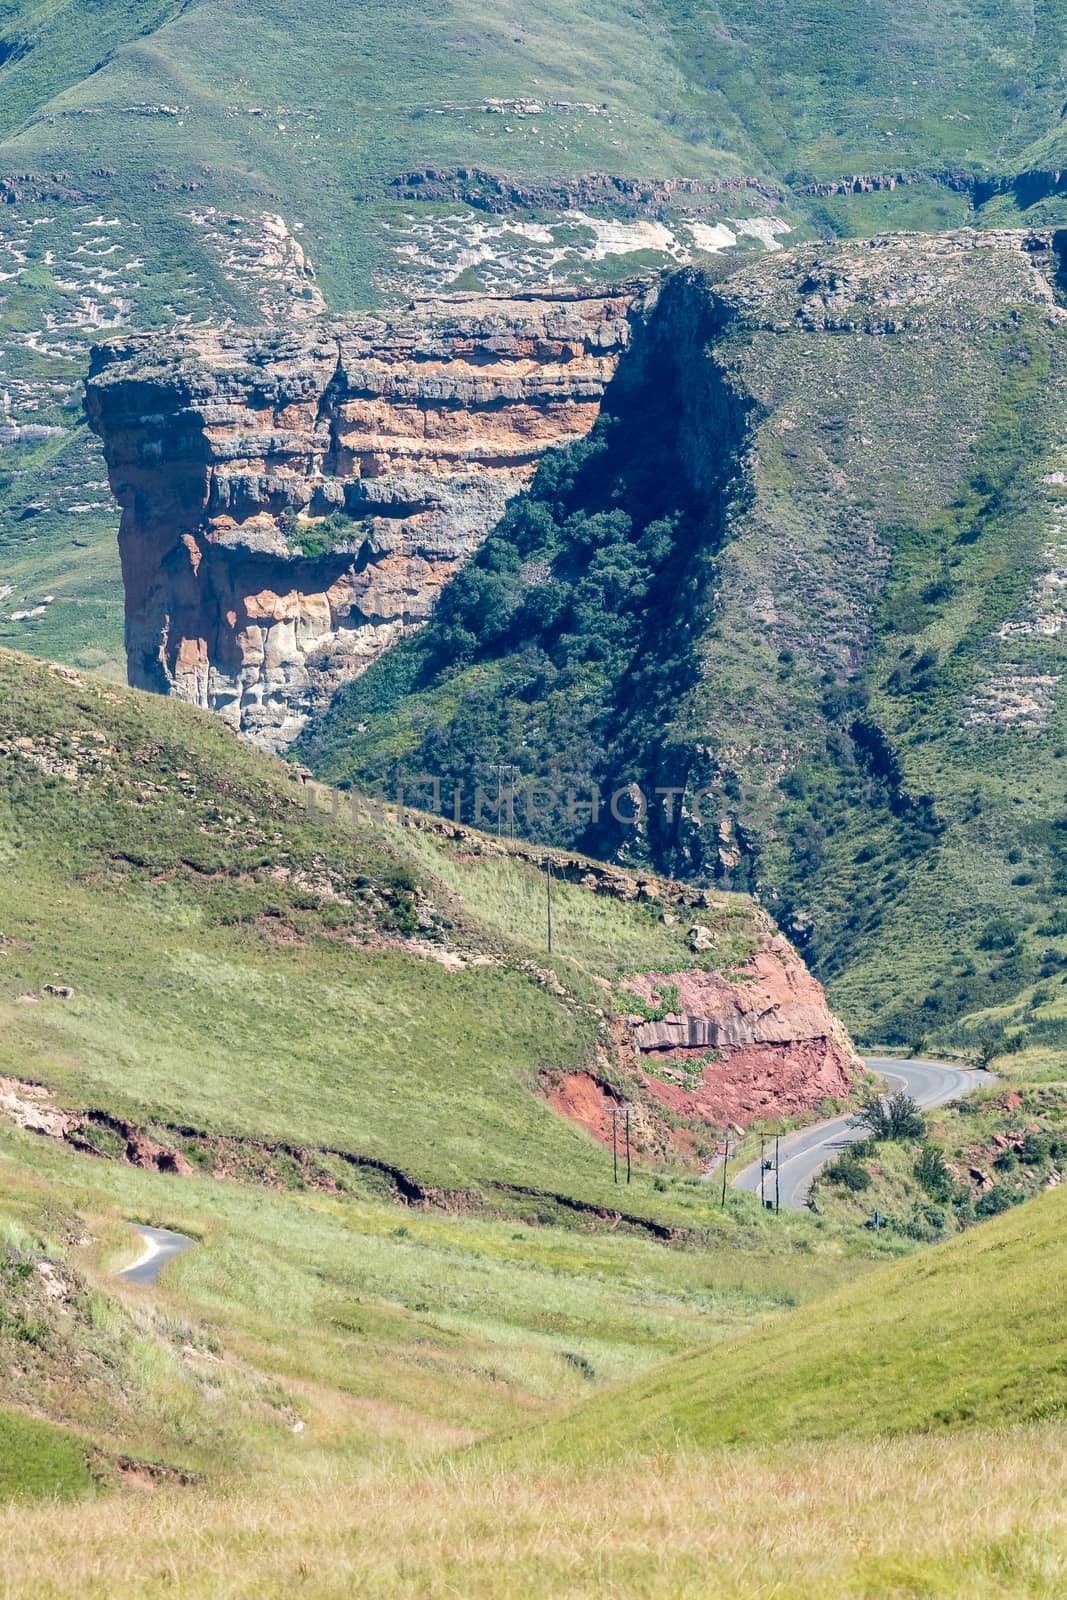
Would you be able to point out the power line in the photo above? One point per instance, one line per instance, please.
(548, 893)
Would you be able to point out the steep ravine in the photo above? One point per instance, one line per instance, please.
(805, 574)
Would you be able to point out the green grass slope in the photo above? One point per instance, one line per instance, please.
(39, 1461)
(243, 970)
(963, 1334)
(389, 1332)
(273, 1410)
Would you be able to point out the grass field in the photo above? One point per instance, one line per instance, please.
(967, 1334)
(39, 1461)
(980, 1516)
(325, 1363)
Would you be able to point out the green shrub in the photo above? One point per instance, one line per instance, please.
(895, 1117)
(933, 1174)
(1037, 1148)
(849, 1172)
(996, 1200)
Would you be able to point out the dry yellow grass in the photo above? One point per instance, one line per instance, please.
(983, 1516)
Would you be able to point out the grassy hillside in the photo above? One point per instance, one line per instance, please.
(318, 1366)
(281, 1405)
(817, 582)
(239, 969)
(962, 1335)
(148, 164)
(390, 1333)
(338, 1029)
(978, 1516)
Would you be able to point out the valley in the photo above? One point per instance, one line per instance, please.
(533, 961)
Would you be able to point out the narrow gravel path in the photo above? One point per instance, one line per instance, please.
(161, 1246)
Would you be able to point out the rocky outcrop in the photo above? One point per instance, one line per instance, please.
(293, 504)
(773, 999)
(753, 1043)
(880, 182)
(760, 1041)
(498, 193)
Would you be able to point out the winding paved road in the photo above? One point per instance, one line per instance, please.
(161, 1246)
(801, 1154)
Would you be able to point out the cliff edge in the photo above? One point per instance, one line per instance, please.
(293, 503)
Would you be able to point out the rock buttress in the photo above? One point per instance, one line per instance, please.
(293, 503)
(758, 1042)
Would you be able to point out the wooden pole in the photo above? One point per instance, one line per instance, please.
(777, 1188)
(725, 1162)
(615, 1142)
(627, 1144)
(548, 891)
(762, 1168)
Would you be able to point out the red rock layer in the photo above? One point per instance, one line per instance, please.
(756, 1043)
(761, 1082)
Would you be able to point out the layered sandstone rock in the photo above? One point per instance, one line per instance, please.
(293, 504)
(756, 1043)
(749, 1044)
(773, 1000)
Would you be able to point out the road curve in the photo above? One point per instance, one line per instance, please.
(161, 1246)
(801, 1154)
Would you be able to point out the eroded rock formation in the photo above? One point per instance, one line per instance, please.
(758, 1042)
(293, 504)
(754, 1043)
(773, 1000)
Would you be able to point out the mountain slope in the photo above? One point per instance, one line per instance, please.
(368, 996)
(962, 1335)
(335, 1054)
(808, 572)
(156, 175)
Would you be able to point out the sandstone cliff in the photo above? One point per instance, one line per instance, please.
(292, 504)
(757, 1042)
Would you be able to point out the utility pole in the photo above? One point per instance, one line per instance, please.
(762, 1168)
(548, 889)
(627, 1144)
(725, 1164)
(777, 1189)
(615, 1142)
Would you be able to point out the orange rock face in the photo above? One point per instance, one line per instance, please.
(773, 999)
(760, 1082)
(294, 503)
(761, 1043)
